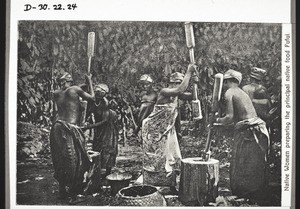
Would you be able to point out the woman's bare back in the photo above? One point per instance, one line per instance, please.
(68, 105)
(242, 105)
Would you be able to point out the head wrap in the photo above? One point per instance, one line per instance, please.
(102, 87)
(258, 73)
(146, 78)
(66, 77)
(233, 74)
(176, 77)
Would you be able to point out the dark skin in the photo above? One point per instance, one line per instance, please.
(262, 104)
(173, 90)
(186, 96)
(95, 125)
(98, 97)
(68, 109)
(250, 88)
(149, 96)
(176, 89)
(68, 103)
(238, 104)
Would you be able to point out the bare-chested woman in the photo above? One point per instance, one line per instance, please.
(148, 100)
(70, 160)
(160, 144)
(251, 140)
(258, 93)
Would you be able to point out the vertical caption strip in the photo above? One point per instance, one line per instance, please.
(287, 114)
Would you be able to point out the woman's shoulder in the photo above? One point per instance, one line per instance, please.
(162, 99)
(152, 97)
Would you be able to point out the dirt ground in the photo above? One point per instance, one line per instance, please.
(36, 185)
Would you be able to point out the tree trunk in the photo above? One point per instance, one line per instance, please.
(198, 181)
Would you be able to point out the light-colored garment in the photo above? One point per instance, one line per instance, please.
(160, 145)
(256, 125)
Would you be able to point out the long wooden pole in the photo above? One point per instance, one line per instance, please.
(218, 83)
(190, 42)
(90, 54)
(90, 51)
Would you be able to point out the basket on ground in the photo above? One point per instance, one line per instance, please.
(140, 195)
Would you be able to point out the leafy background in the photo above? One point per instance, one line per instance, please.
(126, 50)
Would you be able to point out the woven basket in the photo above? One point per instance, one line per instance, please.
(141, 195)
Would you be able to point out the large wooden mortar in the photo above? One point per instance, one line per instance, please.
(198, 181)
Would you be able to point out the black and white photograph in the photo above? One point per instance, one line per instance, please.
(152, 113)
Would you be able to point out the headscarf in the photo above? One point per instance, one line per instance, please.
(258, 73)
(233, 74)
(66, 77)
(102, 87)
(176, 77)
